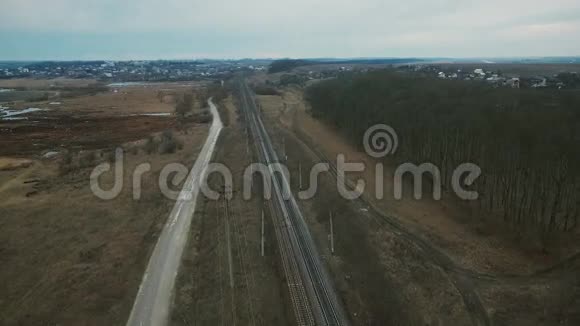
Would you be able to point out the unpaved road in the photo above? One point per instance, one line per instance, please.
(152, 303)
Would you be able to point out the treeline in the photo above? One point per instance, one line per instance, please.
(525, 141)
(265, 90)
(214, 90)
(287, 64)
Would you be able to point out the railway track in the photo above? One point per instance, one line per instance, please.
(312, 293)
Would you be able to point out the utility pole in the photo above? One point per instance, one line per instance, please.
(251, 175)
(300, 174)
(284, 149)
(331, 235)
(262, 242)
(228, 241)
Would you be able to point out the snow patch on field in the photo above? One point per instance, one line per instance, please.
(158, 114)
(7, 114)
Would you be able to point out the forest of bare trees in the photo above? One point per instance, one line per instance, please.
(525, 141)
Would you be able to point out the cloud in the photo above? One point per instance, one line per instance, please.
(549, 30)
(310, 27)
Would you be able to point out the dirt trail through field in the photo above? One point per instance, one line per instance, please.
(154, 297)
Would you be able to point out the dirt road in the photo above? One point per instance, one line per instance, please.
(151, 305)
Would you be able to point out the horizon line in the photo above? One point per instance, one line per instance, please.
(301, 58)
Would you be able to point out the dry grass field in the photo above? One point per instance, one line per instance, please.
(68, 257)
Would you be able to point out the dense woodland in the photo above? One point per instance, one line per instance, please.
(287, 64)
(525, 141)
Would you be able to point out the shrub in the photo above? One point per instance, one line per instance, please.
(168, 143)
(66, 163)
(87, 159)
(266, 90)
(150, 145)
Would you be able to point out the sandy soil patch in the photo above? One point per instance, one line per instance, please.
(7, 163)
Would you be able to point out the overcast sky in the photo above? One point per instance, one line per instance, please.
(184, 29)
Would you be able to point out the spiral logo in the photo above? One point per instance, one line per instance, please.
(380, 140)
